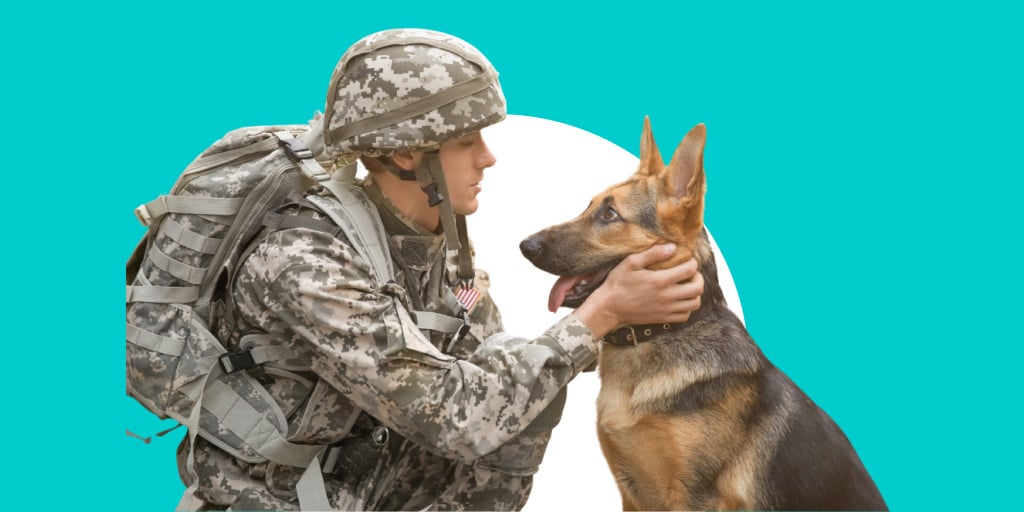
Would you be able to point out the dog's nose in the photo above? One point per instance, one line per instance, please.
(531, 248)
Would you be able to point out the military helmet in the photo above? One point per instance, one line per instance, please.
(409, 89)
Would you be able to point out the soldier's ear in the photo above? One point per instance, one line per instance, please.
(407, 160)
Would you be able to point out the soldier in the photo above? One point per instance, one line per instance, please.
(424, 401)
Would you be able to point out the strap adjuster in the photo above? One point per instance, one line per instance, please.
(434, 197)
(293, 147)
(237, 361)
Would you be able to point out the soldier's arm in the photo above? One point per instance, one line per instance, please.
(502, 479)
(367, 347)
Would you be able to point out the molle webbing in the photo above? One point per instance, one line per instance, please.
(176, 366)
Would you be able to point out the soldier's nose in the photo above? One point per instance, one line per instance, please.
(532, 248)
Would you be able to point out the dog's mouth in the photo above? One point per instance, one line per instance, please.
(571, 291)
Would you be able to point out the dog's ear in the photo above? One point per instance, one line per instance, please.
(685, 175)
(683, 183)
(651, 163)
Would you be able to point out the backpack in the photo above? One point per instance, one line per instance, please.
(197, 235)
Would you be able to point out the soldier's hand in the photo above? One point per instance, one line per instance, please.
(633, 294)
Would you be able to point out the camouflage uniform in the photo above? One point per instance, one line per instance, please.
(420, 419)
(468, 421)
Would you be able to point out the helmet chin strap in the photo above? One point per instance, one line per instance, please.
(402, 174)
(430, 177)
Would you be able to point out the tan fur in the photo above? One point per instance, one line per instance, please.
(656, 450)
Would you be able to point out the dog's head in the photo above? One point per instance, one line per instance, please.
(657, 204)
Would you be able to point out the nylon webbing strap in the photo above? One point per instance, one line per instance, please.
(346, 174)
(204, 163)
(416, 108)
(270, 353)
(310, 488)
(189, 274)
(154, 342)
(466, 272)
(237, 415)
(361, 225)
(162, 205)
(279, 221)
(432, 163)
(162, 294)
(454, 225)
(188, 238)
(438, 322)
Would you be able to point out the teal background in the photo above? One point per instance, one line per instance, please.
(863, 163)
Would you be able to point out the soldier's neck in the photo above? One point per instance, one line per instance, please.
(408, 199)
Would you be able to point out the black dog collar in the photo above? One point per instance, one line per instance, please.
(632, 335)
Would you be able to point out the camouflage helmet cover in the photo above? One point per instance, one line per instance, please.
(409, 89)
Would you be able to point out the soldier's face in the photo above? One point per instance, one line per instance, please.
(464, 160)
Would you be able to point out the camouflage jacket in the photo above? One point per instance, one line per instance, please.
(468, 421)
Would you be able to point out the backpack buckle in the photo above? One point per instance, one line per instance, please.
(295, 148)
(237, 361)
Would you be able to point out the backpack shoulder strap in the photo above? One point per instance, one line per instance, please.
(358, 219)
(357, 216)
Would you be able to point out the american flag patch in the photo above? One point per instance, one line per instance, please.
(468, 297)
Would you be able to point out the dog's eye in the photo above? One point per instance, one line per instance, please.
(609, 214)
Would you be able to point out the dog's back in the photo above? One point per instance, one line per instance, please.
(813, 465)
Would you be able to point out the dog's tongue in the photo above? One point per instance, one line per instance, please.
(559, 291)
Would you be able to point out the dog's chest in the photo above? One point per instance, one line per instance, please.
(614, 408)
(638, 380)
(629, 385)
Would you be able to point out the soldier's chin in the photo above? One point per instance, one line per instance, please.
(466, 207)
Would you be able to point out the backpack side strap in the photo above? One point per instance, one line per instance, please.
(188, 238)
(154, 210)
(162, 294)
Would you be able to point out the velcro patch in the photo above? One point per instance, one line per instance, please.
(468, 297)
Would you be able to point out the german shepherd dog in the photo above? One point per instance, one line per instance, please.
(692, 416)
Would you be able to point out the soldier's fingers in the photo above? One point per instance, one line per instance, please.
(650, 256)
(685, 271)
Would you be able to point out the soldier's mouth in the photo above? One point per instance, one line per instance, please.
(571, 291)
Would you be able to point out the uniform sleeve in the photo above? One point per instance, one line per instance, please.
(366, 346)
